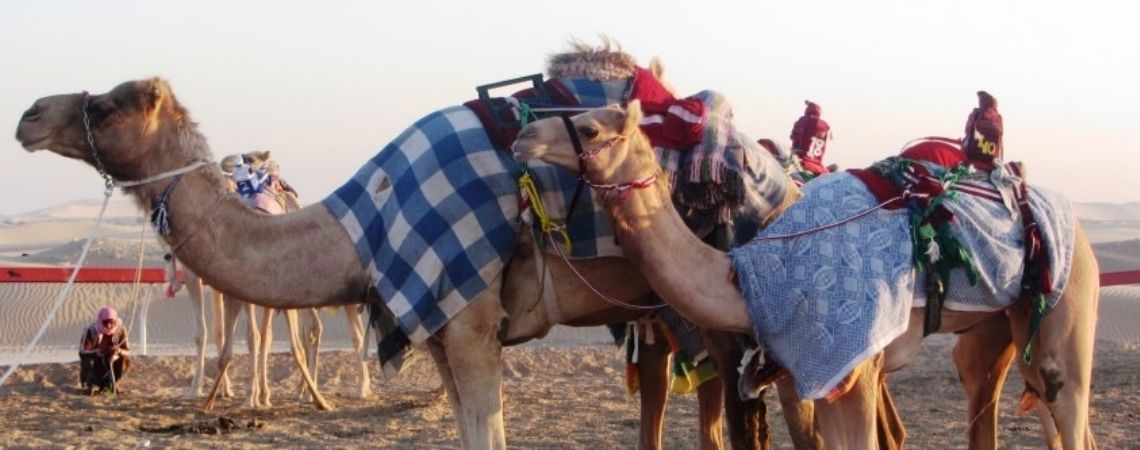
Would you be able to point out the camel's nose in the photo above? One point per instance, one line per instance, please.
(31, 115)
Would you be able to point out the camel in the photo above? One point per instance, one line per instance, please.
(694, 278)
(141, 133)
(304, 346)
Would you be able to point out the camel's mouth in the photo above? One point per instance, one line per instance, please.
(32, 144)
(524, 153)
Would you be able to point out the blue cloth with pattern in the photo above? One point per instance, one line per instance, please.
(824, 302)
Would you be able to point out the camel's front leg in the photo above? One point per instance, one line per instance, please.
(710, 409)
(194, 288)
(653, 377)
(982, 356)
(848, 422)
(226, 353)
(360, 345)
(473, 357)
(218, 330)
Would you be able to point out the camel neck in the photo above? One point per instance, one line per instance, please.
(292, 260)
(688, 274)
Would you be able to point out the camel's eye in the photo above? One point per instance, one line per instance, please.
(587, 131)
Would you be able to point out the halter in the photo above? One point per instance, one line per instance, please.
(609, 190)
(159, 205)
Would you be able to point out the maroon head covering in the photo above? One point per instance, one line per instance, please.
(106, 314)
(812, 109)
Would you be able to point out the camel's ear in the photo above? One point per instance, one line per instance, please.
(658, 71)
(633, 116)
(656, 68)
(258, 156)
(155, 91)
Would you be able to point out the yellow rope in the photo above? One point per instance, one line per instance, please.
(548, 225)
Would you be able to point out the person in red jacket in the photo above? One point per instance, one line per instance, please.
(809, 139)
(982, 143)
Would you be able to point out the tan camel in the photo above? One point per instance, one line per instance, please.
(692, 277)
(260, 338)
(140, 131)
(311, 326)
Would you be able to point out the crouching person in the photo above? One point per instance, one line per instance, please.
(103, 353)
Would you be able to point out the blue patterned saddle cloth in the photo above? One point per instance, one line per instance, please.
(825, 301)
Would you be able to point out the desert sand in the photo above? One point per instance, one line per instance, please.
(564, 391)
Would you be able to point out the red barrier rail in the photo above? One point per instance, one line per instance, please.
(86, 275)
(1118, 278)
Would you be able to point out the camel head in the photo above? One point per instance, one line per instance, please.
(124, 130)
(616, 150)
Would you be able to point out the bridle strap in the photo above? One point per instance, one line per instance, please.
(581, 166)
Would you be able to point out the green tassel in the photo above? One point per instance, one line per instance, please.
(1040, 307)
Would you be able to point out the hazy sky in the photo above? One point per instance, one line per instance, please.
(324, 85)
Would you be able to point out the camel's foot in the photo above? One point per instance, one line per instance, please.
(364, 392)
(194, 393)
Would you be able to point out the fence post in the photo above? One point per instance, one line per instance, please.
(142, 331)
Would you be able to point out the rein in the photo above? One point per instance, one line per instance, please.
(605, 297)
(905, 195)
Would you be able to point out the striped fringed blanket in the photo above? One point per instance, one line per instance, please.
(823, 302)
(435, 213)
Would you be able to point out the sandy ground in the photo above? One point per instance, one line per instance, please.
(564, 391)
(556, 397)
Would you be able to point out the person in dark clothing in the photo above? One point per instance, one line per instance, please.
(104, 353)
(809, 139)
(983, 141)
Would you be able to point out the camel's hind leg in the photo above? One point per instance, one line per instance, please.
(848, 422)
(298, 352)
(261, 337)
(474, 364)
(1061, 370)
(311, 330)
(360, 345)
(747, 419)
(799, 415)
(982, 356)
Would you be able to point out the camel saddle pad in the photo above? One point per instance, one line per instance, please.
(434, 217)
(825, 301)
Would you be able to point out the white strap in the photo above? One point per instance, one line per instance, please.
(162, 176)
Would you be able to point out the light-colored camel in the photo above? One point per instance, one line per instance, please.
(311, 326)
(693, 277)
(140, 131)
(260, 335)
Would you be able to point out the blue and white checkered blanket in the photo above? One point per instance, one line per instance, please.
(823, 302)
(435, 213)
